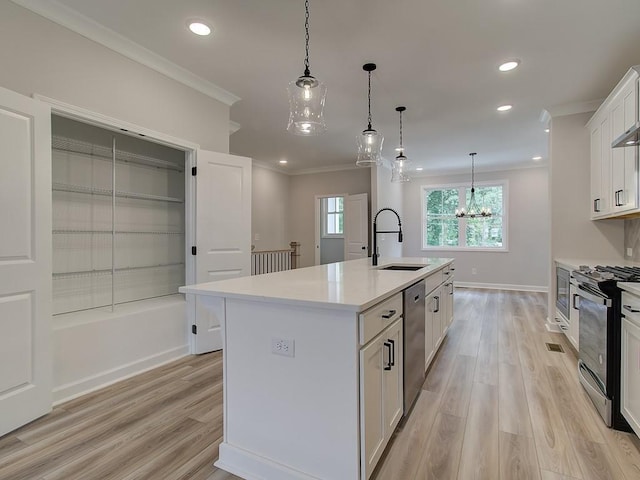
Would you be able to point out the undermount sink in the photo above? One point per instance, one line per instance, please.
(408, 268)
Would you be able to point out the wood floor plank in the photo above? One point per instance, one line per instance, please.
(625, 448)
(487, 363)
(518, 458)
(596, 462)
(409, 443)
(455, 399)
(547, 475)
(441, 457)
(479, 458)
(513, 411)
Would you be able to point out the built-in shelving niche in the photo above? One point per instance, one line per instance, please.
(118, 217)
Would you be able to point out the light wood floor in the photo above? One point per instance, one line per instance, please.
(496, 405)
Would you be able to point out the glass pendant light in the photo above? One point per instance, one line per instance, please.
(370, 142)
(473, 210)
(400, 164)
(306, 96)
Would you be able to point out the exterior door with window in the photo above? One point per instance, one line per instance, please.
(26, 376)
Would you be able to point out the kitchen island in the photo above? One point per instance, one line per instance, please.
(313, 366)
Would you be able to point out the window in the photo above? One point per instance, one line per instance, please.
(442, 230)
(333, 216)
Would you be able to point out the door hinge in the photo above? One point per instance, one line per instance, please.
(194, 329)
(193, 250)
(194, 171)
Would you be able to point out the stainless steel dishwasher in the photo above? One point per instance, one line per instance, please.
(414, 310)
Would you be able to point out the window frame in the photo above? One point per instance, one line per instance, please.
(462, 222)
(324, 214)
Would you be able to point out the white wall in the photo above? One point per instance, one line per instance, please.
(39, 56)
(270, 209)
(573, 234)
(525, 264)
(389, 195)
(304, 188)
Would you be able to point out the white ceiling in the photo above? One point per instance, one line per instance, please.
(439, 58)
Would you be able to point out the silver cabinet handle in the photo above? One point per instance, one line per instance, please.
(437, 299)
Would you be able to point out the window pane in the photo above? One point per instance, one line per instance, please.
(331, 204)
(442, 225)
(340, 226)
(331, 224)
(339, 204)
(486, 232)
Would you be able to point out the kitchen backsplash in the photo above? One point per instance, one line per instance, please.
(632, 239)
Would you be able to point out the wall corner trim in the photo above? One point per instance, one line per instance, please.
(88, 28)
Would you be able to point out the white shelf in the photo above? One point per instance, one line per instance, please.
(109, 232)
(63, 144)
(62, 187)
(90, 273)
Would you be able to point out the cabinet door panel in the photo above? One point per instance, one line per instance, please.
(372, 361)
(393, 386)
(428, 332)
(630, 402)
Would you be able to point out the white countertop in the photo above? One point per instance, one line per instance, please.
(352, 285)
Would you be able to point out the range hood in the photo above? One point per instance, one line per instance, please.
(629, 138)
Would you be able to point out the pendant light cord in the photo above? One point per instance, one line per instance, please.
(307, 73)
(369, 97)
(473, 155)
(401, 149)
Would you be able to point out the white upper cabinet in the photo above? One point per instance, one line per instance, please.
(614, 171)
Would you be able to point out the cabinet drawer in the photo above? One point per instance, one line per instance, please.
(379, 317)
(435, 279)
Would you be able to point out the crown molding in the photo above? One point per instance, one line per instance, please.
(267, 166)
(89, 28)
(327, 169)
(233, 127)
(573, 108)
(465, 171)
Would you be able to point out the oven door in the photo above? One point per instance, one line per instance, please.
(594, 309)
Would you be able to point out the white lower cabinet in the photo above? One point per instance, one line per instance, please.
(573, 332)
(630, 374)
(381, 393)
(438, 317)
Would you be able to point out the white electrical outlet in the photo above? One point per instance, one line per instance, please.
(629, 252)
(282, 346)
(474, 271)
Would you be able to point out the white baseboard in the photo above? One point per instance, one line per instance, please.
(503, 286)
(86, 385)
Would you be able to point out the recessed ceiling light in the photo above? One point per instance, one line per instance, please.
(419, 169)
(547, 130)
(199, 28)
(283, 162)
(536, 158)
(508, 66)
(504, 108)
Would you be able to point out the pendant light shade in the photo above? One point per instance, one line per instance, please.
(401, 162)
(473, 210)
(306, 96)
(370, 141)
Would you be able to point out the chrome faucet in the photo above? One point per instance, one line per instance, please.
(374, 255)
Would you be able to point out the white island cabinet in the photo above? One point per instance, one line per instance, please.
(313, 367)
(630, 351)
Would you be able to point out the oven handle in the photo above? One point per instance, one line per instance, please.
(594, 298)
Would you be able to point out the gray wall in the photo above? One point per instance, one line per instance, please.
(304, 188)
(525, 265)
(386, 194)
(39, 56)
(270, 209)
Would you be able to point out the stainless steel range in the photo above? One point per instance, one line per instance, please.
(599, 300)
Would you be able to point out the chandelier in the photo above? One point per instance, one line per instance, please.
(306, 96)
(473, 210)
(370, 141)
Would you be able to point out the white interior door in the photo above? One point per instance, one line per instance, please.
(25, 260)
(356, 227)
(223, 234)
